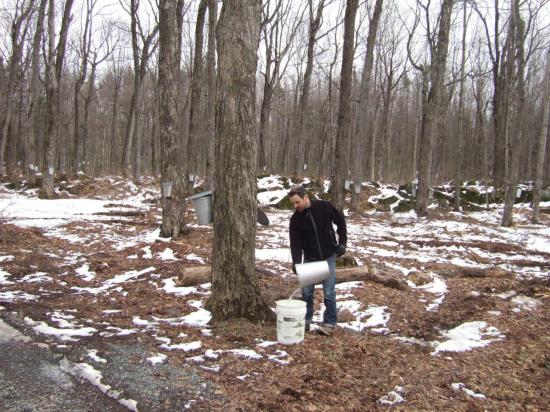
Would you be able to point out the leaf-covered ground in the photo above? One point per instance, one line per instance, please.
(88, 275)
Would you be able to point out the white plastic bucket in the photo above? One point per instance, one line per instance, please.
(312, 273)
(291, 321)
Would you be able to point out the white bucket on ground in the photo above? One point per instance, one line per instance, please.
(291, 321)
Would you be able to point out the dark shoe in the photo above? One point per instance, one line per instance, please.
(326, 329)
(308, 326)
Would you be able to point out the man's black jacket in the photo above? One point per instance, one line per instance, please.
(302, 235)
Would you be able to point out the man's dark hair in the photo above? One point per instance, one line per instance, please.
(297, 190)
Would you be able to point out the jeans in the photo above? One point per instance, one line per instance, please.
(329, 295)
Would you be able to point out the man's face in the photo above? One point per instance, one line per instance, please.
(299, 204)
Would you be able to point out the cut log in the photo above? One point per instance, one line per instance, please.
(196, 275)
(385, 276)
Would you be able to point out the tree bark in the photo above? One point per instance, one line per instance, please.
(140, 61)
(235, 291)
(211, 96)
(515, 72)
(17, 41)
(363, 116)
(194, 133)
(303, 107)
(436, 73)
(173, 207)
(56, 58)
(541, 144)
(459, 157)
(344, 108)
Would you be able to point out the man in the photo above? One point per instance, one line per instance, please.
(312, 237)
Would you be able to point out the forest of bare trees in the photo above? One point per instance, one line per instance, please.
(437, 90)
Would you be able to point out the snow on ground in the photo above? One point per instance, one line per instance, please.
(87, 372)
(403, 241)
(468, 336)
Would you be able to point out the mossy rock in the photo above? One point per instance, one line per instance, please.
(345, 261)
(315, 184)
(388, 200)
(17, 185)
(404, 206)
(526, 196)
(285, 182)
(284, 204)
(262, 176)
(472, 207)
(382, 207)
(473, 196)
(324, 196)
(440, 194)
(407, 188)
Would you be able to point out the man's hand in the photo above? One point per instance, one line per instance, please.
(340, 250)
(294, 268)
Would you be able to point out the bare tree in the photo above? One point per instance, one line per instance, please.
(541, 144)
(211, 96)
(344, 109)
(56, 57)
(433, 82)
(143, 45)
(83, 51)
(461, 112)
(514, 65)
(278, 34)
(194, 131)
(315, 17)
(364, 91)
(19, 27)
(31, 157)
(173, 206)
(392, 69)
(235, 291)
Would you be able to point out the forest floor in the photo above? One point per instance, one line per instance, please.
(87, 275)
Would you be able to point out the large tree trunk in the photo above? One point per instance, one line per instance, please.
(31, 165)
(140, 60)
(88, 166)
(211, 96)
(173, 207)
(55, 67)
(363, 116)
(194, 133)
(515, 73)
(460, 138)
(17, 41)
(430, 108)
(303, 107)
(235, 291)
(541, 144)
(344, 108)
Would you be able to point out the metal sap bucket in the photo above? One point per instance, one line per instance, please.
(202, 203)
(312, 273)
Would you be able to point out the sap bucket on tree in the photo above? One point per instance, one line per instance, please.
(291, 321)
(202, 203)
(312, 273)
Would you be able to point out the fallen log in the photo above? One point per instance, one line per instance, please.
(196, 275)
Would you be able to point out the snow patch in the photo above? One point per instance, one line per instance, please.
(468, 336)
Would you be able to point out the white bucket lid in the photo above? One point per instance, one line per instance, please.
(291, 303)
